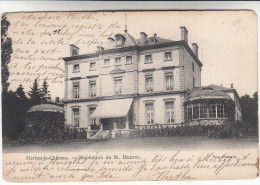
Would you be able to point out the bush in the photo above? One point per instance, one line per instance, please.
(227, 130)
(43, 127)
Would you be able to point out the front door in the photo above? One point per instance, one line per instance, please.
(107, 124)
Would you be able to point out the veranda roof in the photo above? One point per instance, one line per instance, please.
(46, 108)
(112, 108)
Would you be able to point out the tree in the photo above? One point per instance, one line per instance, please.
(6, 44)
(35, 94)
(44, 91)
(249, 108)
(20, 92)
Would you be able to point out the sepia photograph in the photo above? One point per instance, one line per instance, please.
(129, 96)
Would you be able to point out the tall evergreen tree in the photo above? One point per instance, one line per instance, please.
(20, 92)
(35, 94)
(44, 91)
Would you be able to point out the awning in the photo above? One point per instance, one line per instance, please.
(112, 108)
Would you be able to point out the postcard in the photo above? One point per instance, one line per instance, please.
(129, 96)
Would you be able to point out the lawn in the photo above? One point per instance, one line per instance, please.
(149, 143)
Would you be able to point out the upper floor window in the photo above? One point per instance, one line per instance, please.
(193, 66)
(107, 62)
(148, 59)
(92, 66)
(117, 61)
(76, 68)
(76, 117)
(193, 82)
(118, 85)
(169, 81)
(128, 60)
(92, 87)
(169, 106)
(76, 90)
(149, 83)
(168, 56)
(149, 113)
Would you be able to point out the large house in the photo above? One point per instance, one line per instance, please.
(134, 83)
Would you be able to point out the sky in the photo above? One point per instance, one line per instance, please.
(227, 42)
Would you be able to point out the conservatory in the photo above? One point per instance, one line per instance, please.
(208, 106)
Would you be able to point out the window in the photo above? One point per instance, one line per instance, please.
(92, 87)
(107, 62)
(203, 111)
(75, 52)
(148, 59)
(192, 66)
(168, 56)
(117, 61)
(169, 81)
(76, 68)
(220, 111)
(149, 83)
(118, 86)
(76, 117)
(128, 59)
(196, 111)
(76, 90)
(193, 82)
(212, 111)
(169, 112)
(149, 113)
(92, 121)
(92, 66)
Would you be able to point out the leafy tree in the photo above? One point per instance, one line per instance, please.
(35, 94)
(6, 44)
(249, 108)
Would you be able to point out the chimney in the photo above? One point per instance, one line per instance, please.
(74, 50)
(100, 48)
(195, 49)
(143, 37)
(184, 34)
(232, 86)
(57, 99)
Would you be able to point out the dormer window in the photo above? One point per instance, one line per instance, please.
(153, 40)
(120, 39)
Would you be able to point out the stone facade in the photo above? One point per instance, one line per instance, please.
(155, 72)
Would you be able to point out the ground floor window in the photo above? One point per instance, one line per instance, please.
(92, 120)
(212, 111)
(149, 113)
(169, 112)
(202, 111)
(76, 117)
